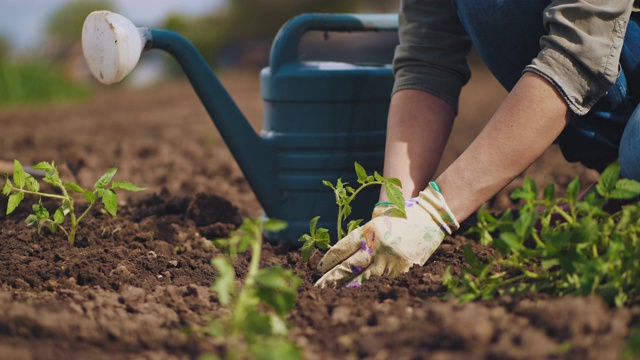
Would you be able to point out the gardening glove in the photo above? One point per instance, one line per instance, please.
(382, 208)
(390, 243)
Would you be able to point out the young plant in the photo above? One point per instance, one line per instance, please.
(25, 184)
(256, 326)
(345, 194)
(559, 246)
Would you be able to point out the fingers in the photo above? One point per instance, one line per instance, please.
(350, 268)
(341, 250)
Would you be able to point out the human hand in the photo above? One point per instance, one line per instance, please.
(390, 243)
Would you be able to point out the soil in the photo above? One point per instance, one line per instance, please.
(133, 286)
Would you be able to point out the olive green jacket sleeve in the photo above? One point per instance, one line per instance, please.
(581, 52)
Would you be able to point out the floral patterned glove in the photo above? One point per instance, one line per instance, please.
(390, 243)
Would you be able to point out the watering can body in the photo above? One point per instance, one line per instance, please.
(319, 118)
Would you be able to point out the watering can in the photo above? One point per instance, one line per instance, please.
(319, 116)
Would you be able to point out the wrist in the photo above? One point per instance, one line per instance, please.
(437, 207)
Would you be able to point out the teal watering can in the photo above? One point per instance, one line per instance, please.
(319, 116)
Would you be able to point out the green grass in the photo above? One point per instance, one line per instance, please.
(35, 82)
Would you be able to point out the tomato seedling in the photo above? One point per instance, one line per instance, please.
(259, 307)
(319, 237)
(25, 184)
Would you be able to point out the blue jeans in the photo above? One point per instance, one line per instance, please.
(506, 35)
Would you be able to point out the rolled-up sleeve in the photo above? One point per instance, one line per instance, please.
(581, 52)
(432, 52)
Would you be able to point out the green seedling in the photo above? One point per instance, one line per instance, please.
(25, 184)
(559, 246)
(318, 238)
(256, 326)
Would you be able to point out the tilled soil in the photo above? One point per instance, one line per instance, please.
(133, 287)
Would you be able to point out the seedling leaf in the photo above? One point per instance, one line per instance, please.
(44, 166)
(32, 184)
(274, 225)
(307, 247)
(89, 196)
(608, 178)
(106, 178)
(395, 196)
(361, 173)
(31, 220)
(224, 285)
(6, 189)
(73, 187)
(277, 287)
(58, 216)
(14, 200)
(126, 185)
(19, 176)
(110, 201)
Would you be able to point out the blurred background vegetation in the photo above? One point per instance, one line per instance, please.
(239, 35)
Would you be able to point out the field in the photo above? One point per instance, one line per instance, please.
(137, 286)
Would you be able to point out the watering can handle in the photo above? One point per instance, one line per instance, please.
(285, 45)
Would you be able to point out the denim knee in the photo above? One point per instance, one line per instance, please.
(629, 152)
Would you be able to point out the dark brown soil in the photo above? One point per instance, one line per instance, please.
(132, 287)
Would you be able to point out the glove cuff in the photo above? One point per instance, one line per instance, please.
(438, 209)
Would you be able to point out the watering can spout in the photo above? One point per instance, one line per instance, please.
(112, 45)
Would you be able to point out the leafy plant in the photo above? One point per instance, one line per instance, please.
(317, 238)
(345, 194)
(25, 184)
(36, 82)
(560, 246)
(258, 308)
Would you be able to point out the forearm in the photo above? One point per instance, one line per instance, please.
(417, 131)
(525, 125)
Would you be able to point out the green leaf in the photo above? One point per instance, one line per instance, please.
(44, 166)
(573, 189)
(361, 173)
(307, 247)
(6, 189)
(58, 216)
(608, 178)
(528, 191)
(394, 181)
(549, 193)
(14, 200)
(270, 347)
(353, 224)
(224, 285)
(277, 287)
(106, 178)
(32, 184)
(395, 196)
(73, 187)
(312, 225)
(470, 256)
(126, 185)
(322, 239)
(512, 241)
(622, 194)
(89, 196)
(19, 176)
(274, 225)
(40, 211)
(110, 201)
(31, 220)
